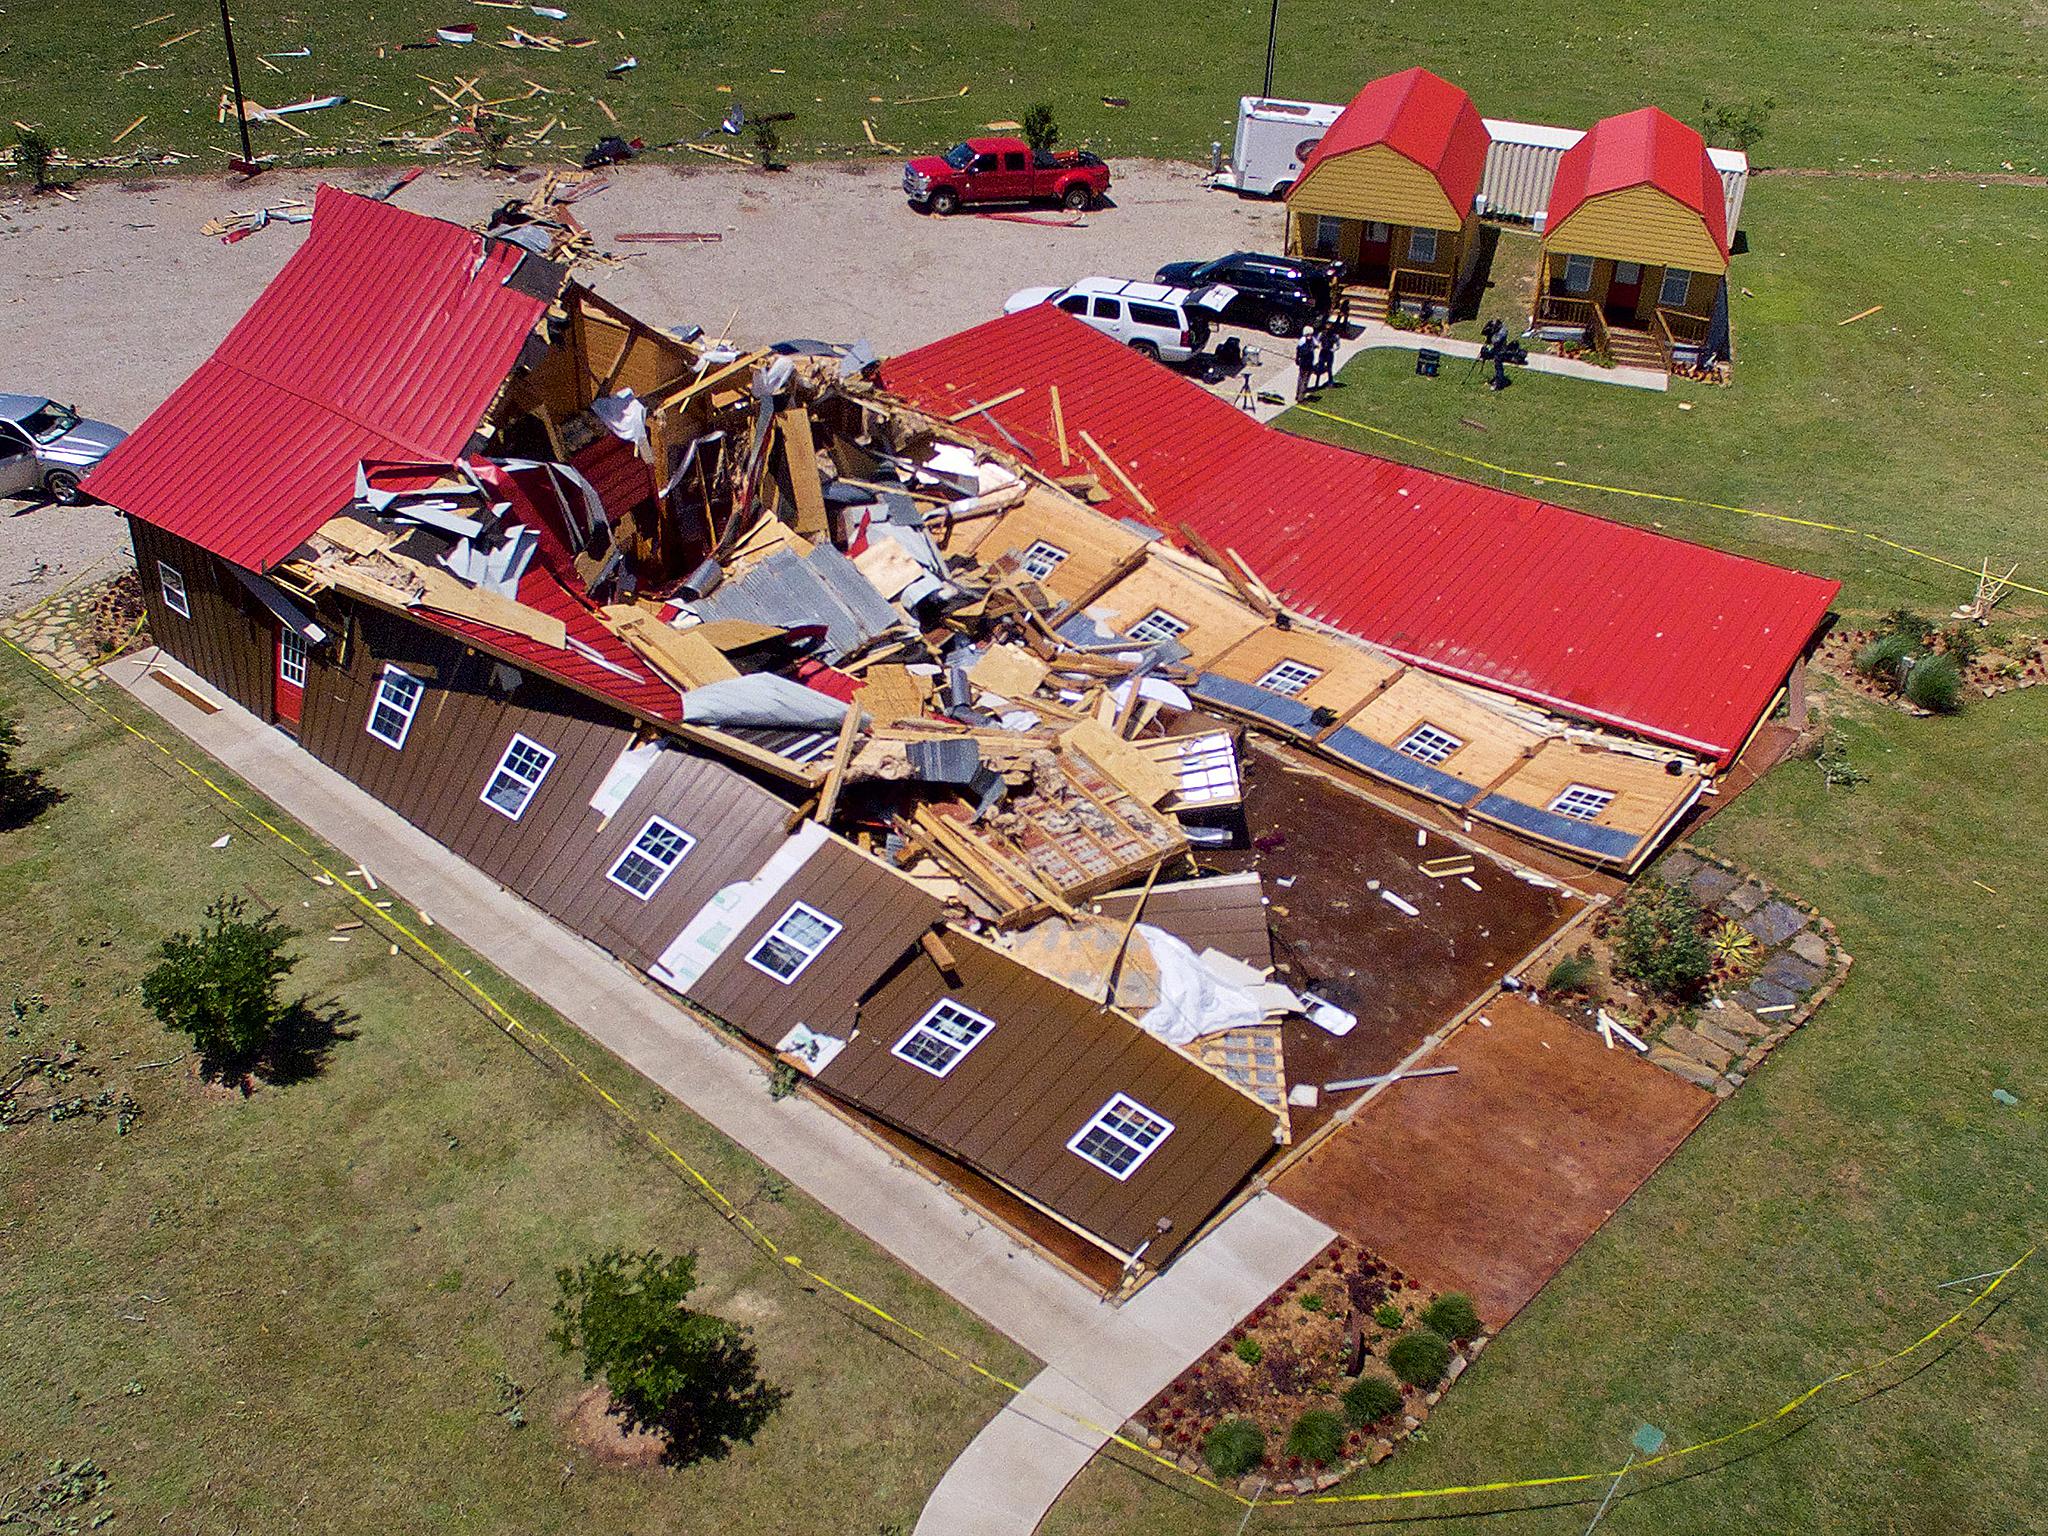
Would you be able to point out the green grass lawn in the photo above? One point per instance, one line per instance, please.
(1896, 84)
(1923, 423)
(290, 1311)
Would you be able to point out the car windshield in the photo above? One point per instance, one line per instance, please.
(960, 156)
(49, 421)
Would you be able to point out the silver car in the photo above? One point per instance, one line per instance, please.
(49, 447)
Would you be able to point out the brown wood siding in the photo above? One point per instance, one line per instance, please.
(883, 914)
(230, 639)
(1052, 1060)
(1225, 913)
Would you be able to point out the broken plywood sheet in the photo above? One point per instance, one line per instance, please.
(685, 656)
(1145, 777)
(1009, 671)
(448, 594)
(891, 692)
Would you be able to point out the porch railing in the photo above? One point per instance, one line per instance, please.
(1560, 309)
(1676, 329)
(1413, 285)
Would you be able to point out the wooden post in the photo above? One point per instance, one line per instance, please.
(1795, 695)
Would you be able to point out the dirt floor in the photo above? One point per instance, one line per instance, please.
(1335, 936)
(1487, 1181)
(109, 301)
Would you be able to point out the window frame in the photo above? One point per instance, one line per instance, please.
(1586, 285)
(1664, 299)
(1328, 239)
(1098, 1122)
(1273, 672)
(1415, 234)
(1172, 628)
(291, 656)
(170, 583)
(959, 1049)
(1429, 754)
(409, 709)
(505, 769)
(1060, 558)
(1575, 802)
(633, 850)
(774, 932)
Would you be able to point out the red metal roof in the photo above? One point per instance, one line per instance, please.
(1643, 148)
(385, 337)
(1597, 619)
(1422, 116)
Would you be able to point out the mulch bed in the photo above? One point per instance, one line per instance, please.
(1309, 1334)
(2021, 663)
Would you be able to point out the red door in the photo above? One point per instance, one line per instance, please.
(1373, 243)
(291, 677)
(1624, 290)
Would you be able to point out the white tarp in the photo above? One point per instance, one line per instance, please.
(625, 417)
(1193, 999)
(764, 701)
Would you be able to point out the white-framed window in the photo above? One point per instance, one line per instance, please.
(1578, 274)
(1676, 287)
(1042, 559)
(1156, 626)
(798, 937)
(1582, 802)
(172, 585)
(291, 657)
(1428, 744)
(650, 857)
(1289, 677)
(940, 1041)
(1120, 1136)
(1378, 232)
(1422, 245)
(398, 700)
(1329, 232)
(518, 774)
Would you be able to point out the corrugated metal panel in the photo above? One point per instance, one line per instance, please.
(1598, 619)
(1521, 164)
(385, 336)
(791, 590)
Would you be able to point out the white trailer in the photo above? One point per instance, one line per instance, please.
(1273, 138)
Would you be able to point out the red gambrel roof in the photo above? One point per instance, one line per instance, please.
(1643, 148)
(386, 336)
(1419, 115)
(1593, 618)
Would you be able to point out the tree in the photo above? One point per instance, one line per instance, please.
(495, 129)
(688, 1376)
(1737, 123)
(220, 986)
(23, 794)
(767, 143)
(1041, 132)
(34, 154)
(1658, 940)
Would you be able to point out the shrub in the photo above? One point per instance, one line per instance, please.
(1312, 1301)
(685, 1375)
(1041, 132)
(1420, 1358)
(1658, 940)
(1962, 644)
(1317, 1437)
(1387, 1315)
(767, 142)
(1250, 1351)
(1736, 123)
(1904, 621)
(23, 794)
(495, 129)
(1234, 1447)
(1884, 657)
(1453, 1316)
(1574, 973)
(1935, 683)
(1370, 1399)
(34, 153)
(220, 986)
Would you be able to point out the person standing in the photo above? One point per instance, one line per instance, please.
(1326, 353)
(1305, 353)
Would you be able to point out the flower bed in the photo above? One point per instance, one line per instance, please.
(1999, 663)
(1296, 1354)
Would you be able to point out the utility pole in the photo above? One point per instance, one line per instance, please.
(227, 32)
(1272, 38)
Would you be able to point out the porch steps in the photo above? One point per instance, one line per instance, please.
(1633, 349)
(1365, 304)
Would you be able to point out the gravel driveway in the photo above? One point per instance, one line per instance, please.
(109, 301)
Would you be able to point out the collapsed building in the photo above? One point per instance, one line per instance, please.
(879, 709)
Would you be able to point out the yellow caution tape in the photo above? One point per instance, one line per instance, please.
(513, 1026)
(1664, 496)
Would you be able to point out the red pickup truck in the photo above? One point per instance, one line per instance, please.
(1004, 171)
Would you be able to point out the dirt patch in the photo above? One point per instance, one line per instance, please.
(1486, 1181)
(589, 1425)
(1326, 854)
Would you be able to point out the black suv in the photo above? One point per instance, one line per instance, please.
(1277, 294)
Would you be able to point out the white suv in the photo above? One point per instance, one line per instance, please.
(1157, 320)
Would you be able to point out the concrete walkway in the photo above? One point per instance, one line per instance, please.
(1101, 1362)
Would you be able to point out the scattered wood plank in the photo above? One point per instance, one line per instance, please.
(1864, 314)
(1118, 470)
